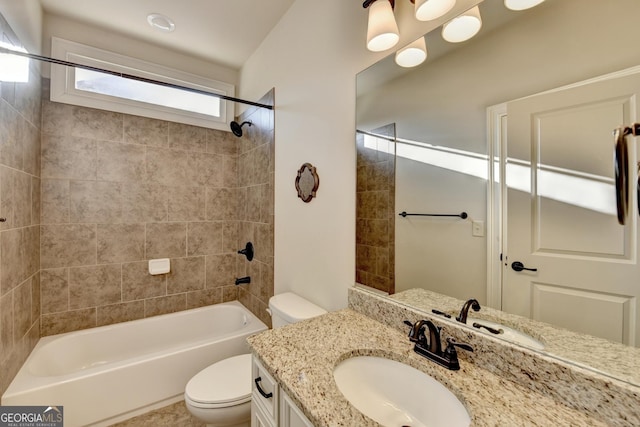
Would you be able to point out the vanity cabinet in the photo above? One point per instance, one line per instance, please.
(270, 406)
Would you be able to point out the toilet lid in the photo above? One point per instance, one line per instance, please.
(226, 381)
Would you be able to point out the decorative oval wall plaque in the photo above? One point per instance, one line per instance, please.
(307, 182)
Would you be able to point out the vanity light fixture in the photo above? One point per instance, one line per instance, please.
(463, 27)
(161, 22)
(521, 4)
(382, 30)
(413, 54)
(428, 10)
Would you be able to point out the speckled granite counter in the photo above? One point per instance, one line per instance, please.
(301, 357)
(614, 359)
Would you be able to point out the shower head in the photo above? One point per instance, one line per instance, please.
(236, 128)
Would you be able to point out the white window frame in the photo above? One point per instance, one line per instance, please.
(63, 85)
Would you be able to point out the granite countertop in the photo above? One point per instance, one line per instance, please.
(301, 357)
(584, 350)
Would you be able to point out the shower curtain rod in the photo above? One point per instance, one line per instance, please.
(132, 77)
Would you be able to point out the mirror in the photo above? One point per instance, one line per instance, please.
(452, 116)
(307, 182)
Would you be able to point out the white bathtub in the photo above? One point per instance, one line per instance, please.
(111, 373)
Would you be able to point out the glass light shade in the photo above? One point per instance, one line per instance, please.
(428, 10)
(521, 4)
(382, 31)
(413, 54)
(463, 27)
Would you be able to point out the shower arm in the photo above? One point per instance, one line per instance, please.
(132, 77)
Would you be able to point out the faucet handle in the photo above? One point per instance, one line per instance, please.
(452, 344)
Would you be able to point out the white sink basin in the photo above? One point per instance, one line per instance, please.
(394, 394)
(507, 333)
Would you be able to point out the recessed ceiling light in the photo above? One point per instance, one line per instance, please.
(161, 22)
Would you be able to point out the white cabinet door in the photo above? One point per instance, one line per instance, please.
(290, 414)
(561, 211)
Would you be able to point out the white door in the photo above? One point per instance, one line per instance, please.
(561, 211)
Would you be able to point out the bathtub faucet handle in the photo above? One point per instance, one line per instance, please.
(247, 251)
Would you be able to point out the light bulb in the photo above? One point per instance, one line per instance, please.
(463, 27)
(428, 10)
(521, 4)
(413, 54)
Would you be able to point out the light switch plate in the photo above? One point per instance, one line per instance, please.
(477, 228)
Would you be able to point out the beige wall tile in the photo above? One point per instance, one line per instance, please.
(35, 201)
(94, 285)
(30, 140)
(54, 290)
(229, 293)
(35, 300)
(204, 297)
(221, 142)
(58, 323)
(122, 312)
(31, 251)
(64, 119)
(222, 204)
(171, 167)
(67, 157)
(221, 270)
(187, 137)
(121, 162)
(145, 131)
(120, 242)
(7, 199)
(230, 237)
(6, 323)
(137, 283)
(143, 202)
(186, 203)
(10, 149)
(204, 238)
(210, 168)
(55, 201)
(231, 171)
(22, 200)
(187, 274)
(21, 310)
(166, 240)
(11, 259)
(67, 245)
(94, 201)
(164, 305)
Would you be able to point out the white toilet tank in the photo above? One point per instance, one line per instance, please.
(289, 308)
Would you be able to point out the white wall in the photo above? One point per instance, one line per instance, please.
(104, 39)
(312, 58)
(25, 18)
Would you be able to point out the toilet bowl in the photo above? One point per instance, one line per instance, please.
(220, 395)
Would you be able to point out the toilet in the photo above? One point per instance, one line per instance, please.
(220, 394)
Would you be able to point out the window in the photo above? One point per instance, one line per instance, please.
(94, 89)
(13, 68)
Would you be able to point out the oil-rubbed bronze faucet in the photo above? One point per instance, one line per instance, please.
(472, 303)
(431, 347)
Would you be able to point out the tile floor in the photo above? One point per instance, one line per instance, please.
(175, 415)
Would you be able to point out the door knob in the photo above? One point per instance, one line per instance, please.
(518, 266)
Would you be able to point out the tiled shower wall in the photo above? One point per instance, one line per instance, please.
(118, 190)
(19, 205)
(375, 211)
(256, 196)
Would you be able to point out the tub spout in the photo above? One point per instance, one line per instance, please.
(242, 280)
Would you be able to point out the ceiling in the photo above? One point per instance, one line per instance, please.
(226, 32)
